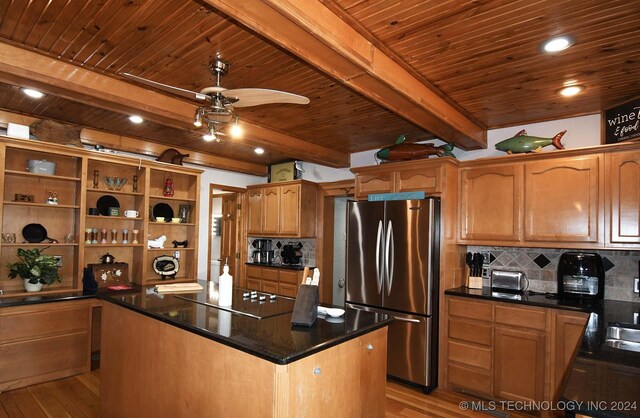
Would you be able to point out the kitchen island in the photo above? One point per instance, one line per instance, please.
(182, 355)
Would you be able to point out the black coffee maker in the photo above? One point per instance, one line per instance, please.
(580, 276)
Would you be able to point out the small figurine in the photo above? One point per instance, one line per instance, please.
(135, 236)
(135, 184)
(114, 236)
(522, 143)
(158, 242)
(103, 236)
(183, 244)
(125, 236)
(53, 198)
(168, 186)
(87, 235)
(96, 179)
(405, 152)
(94, 235)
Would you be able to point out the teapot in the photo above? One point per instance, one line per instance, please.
(107, 259)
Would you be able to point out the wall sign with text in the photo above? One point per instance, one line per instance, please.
(622, 123)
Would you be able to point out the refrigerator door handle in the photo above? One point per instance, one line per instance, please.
(389, 256)
(398, 318)
(430, 255)
(379, 241)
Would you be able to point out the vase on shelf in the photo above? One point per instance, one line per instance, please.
(32, 287)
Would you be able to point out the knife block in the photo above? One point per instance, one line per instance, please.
(305, 311)
(473, 282)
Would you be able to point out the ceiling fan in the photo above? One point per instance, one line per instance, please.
(217, 112)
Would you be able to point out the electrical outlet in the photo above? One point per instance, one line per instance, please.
(58, 260)
(485, 272)
(635, 284)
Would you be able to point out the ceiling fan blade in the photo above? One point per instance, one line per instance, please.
(193, 95)
(255, 97)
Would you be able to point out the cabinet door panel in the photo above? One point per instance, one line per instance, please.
(253, 284)
(271, 210)
(286, 289)
(624, 197)
(519, 361)
(568, 329)
(269, 286)
(427, 180)
(490, 199)
(290, 210)
(373, 183)
(562, 199)
(254, 211)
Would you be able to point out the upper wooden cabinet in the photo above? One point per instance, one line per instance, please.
(562, 199)
(491, 203)
(623, 198)
(406, 176)
(285, 209)
(533, 202)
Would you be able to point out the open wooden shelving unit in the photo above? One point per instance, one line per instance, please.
(73, 181)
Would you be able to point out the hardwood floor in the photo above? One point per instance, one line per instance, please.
(78, 396)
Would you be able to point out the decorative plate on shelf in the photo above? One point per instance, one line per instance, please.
(105, 202)
(166, 266)
(162, 210)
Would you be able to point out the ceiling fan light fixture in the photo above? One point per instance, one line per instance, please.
(35, 94)
(197, 121)
(557, 44)
(236, 130)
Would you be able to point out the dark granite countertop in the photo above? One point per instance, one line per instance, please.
(37, 297)
(603, 380)
(271, 338)
(280, 266)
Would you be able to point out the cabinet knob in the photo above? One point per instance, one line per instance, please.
(369, 346)
(317, 370)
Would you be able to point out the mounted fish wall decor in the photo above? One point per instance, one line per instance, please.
(405, 152)
(523, 143)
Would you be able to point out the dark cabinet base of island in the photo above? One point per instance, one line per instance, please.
(153, 367)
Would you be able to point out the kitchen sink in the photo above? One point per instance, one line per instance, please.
(623, 337)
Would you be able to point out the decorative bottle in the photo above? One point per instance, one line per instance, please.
(225, 287)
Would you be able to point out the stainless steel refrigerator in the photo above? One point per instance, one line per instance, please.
(392, 267)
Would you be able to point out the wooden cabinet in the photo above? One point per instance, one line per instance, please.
(562, 200)
(273, 280)
(503, 350)
(254, 211)
(285, 209)
(519, 357)
(530, 202)
(408, 176)
(491, 203)
(623, 198)
(78, 184)
(44, 342)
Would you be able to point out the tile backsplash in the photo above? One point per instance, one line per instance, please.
(308, 249)
(540, 265)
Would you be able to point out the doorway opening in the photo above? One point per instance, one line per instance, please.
(225, 231)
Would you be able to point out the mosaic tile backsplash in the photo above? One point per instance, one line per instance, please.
(308, 249)
(540, 265)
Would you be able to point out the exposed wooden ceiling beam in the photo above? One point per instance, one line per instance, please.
(138, 146)
(26, 68)
(314, 33)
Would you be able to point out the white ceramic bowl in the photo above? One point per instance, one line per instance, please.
(332, 312)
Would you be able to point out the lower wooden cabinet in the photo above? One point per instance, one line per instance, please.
(274, 280)
(43, 342)
(507, 351)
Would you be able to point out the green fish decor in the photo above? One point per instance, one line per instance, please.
(522, 143)
(405, 152)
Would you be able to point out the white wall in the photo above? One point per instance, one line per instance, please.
(227, 178)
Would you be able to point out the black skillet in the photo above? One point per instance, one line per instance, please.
(35, 233)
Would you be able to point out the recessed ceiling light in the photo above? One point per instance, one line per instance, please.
(33, 93)
(557, 44)
(572, 90)
(136, 119)
(259, 151)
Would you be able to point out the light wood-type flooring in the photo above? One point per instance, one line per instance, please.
(78, 396)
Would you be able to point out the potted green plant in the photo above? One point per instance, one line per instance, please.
(35, 268)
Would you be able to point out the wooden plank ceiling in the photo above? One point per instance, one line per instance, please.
(482, 57)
